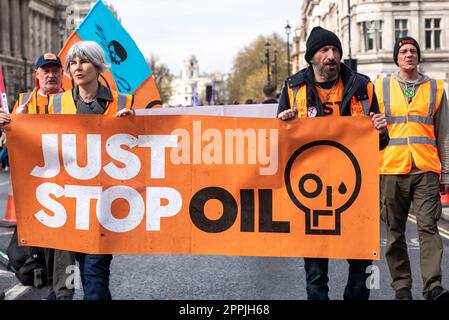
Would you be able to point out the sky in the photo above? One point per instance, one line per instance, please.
(213, 30)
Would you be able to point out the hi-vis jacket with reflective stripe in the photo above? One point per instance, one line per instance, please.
(63, 103)
(359, 97)
(411, 126)
(30, 98)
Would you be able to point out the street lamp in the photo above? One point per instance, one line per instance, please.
(275, 67)
(61, 32)
(267, 56)
(288, 29)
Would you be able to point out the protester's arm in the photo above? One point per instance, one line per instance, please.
(284, 103)
(2, 139)
(125, 112)
(284, 110)
(4, 118)
(129, 110)
(441, 122)
(384, 137)
(19, 108)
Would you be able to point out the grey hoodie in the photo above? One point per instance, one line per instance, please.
(441, 123)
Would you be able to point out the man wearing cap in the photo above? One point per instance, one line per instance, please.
(48, 77)
(329, 88)
(414, 168)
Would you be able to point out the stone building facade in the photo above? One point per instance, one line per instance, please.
(374, 26)
(29, 28)
(191, 85)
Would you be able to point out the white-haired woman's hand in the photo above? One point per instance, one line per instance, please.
(125, 112)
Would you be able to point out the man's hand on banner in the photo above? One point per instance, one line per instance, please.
(22, 109)
(288, 114)
(379, 121)
(4, 118)
(125, 112)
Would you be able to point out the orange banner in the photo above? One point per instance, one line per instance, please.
(197, 185)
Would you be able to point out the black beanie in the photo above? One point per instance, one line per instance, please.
(319, 38)
(403, 41)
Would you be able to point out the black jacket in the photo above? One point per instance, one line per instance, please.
(268, 101)
(355, 84)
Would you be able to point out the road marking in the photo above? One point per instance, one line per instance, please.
(4, 183)
(443, 232)
(6, 274)
(16, 291)
(7, 233)
(3, 255)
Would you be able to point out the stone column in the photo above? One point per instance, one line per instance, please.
(356, 45)
(44, 35)
(362, 38)
(26, 45)
(32, 36)
(25, 20)
(16, 28)
(388, 32)
(6, 45)
(49, 35)
(38, 46)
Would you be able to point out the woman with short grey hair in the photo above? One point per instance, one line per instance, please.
(84, 63)
(89, 50)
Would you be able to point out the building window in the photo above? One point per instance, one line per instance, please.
(400, 28)
(433, 33)
(372, 32)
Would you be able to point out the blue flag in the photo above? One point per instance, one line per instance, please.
(128, 65)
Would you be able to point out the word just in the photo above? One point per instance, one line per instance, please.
(227, 150)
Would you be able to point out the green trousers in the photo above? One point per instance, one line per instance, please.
(398, 192)
(60, 272)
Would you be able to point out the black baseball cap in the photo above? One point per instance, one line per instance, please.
(48, 58)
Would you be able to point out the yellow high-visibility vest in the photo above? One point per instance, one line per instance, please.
(411, 126)
(30, 98)
(63, 103)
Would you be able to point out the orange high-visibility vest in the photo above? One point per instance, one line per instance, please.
(63, 103)
(30, 98)
(298, 98)
(410, 126)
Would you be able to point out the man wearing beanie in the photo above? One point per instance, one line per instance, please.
(414, 167)
(329, 88)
